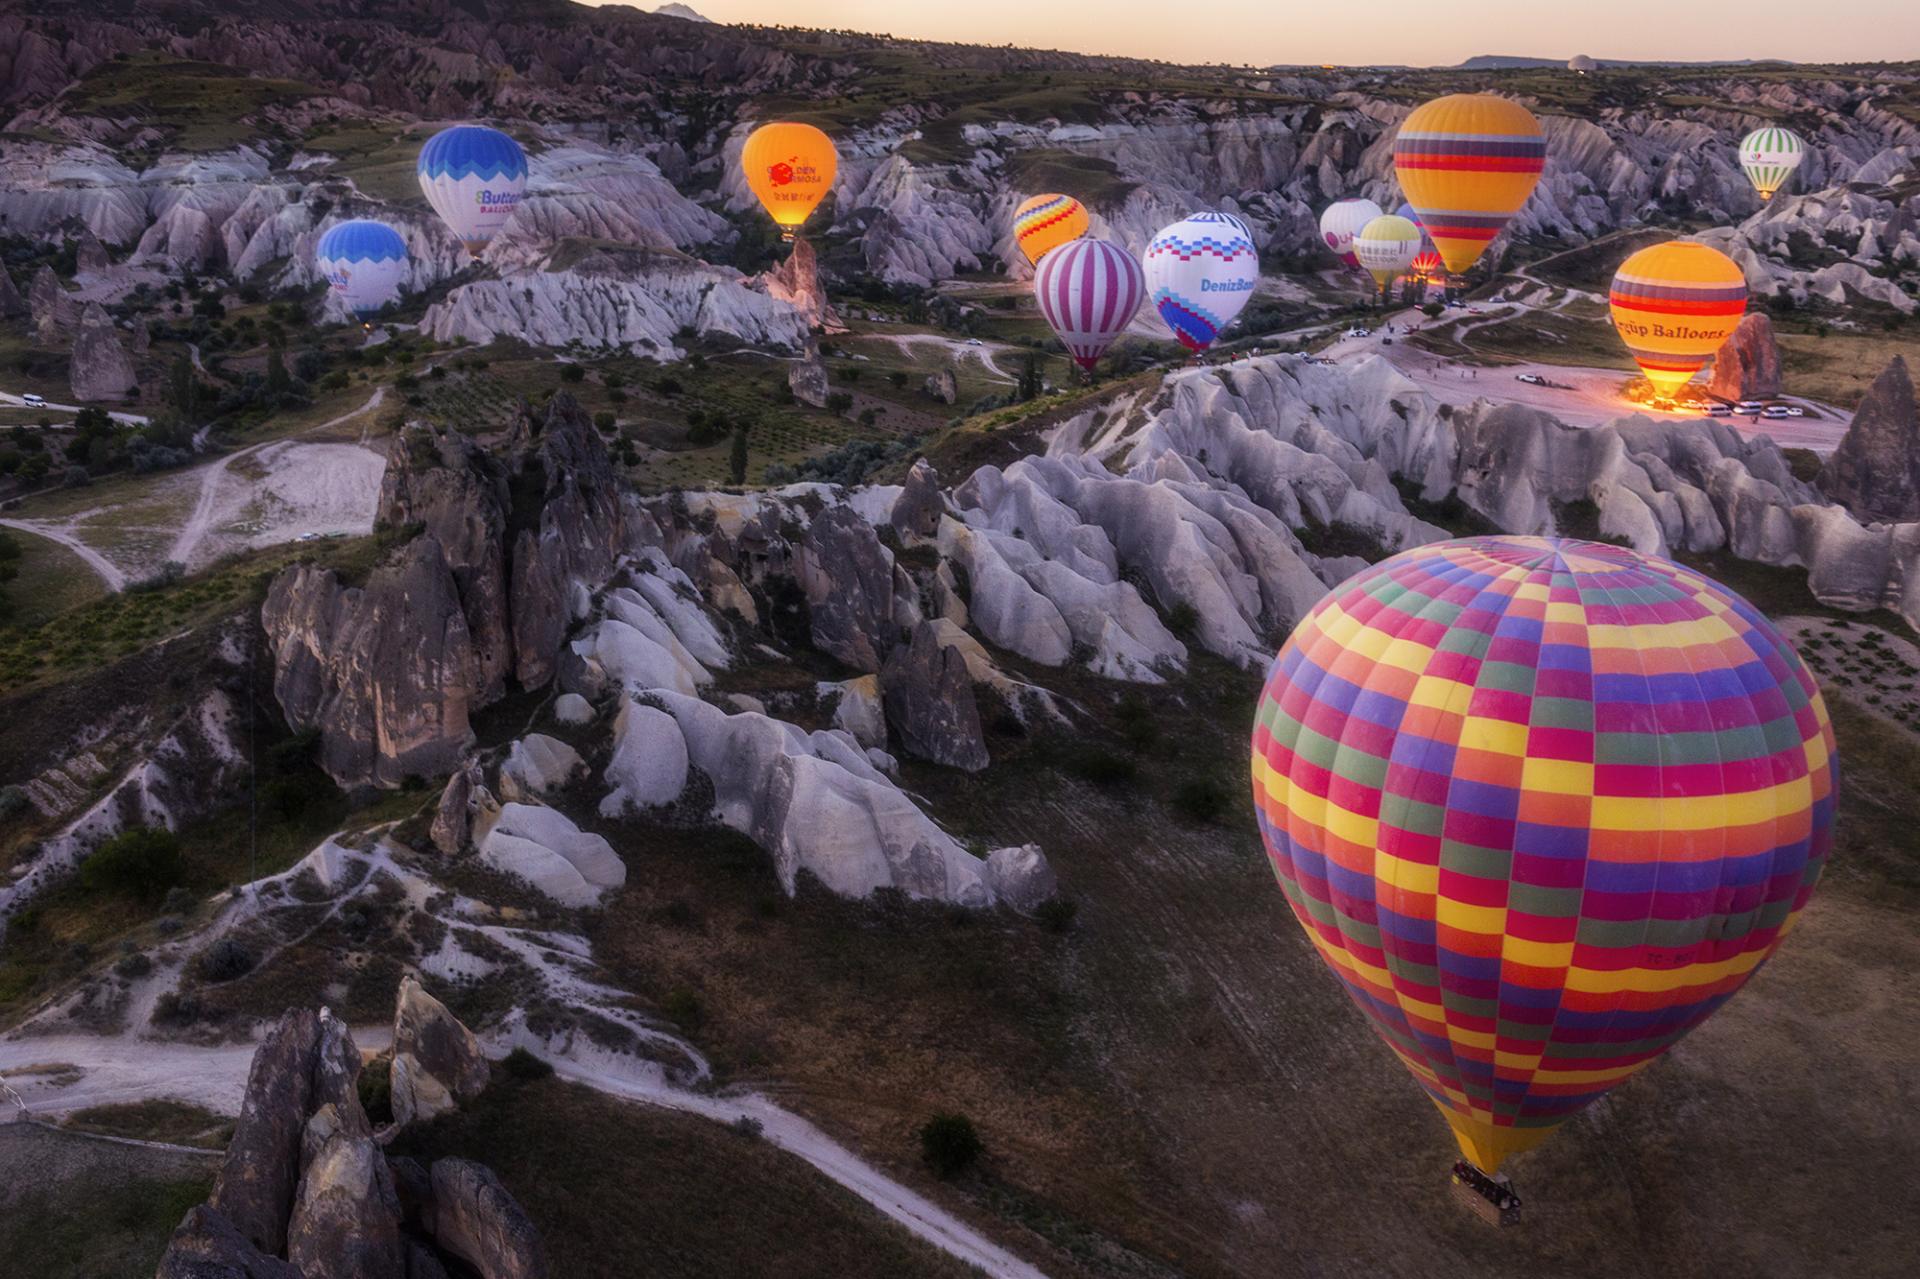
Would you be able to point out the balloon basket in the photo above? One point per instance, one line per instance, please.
(1489, 1198)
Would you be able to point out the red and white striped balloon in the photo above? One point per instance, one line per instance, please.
(1089, 290)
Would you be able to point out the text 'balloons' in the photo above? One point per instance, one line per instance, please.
(1673, 304)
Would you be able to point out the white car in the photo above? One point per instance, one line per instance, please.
(34, 401)
(1718, 410)
(975, 342)
(1794, 410)
(1776, 410)
(1749, 406)
(1359, 333)
(1531, 379)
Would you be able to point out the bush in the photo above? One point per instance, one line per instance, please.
(1103, 767)
(134, 965)
(523, 1067)
(144, 862)
(225, 960)
(604, 420)
(1056, 914)
(949, 1144)
(684, 1008)
(376, 1094)
(839, 402)
(1201, 800)
(572, 373)
(13, 802)
(1182, 618)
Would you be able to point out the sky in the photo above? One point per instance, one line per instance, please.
(1432, 33)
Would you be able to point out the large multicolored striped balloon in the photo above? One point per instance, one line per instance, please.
(1542, 806)
(363, 263)
(474, 178)
(1769, 157)
(1046, 222)
(1342, 221)
(1673, 305)
(1386, 247)
(1467, 162)
(1088, 291)
(1200, 272)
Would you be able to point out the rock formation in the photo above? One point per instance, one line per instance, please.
(463, 795)
(305, 1192)
(796, 282)
(649, 763)
(100, 368)
(1747, 365)
(12, 305)
(1875, 472)
(848, 577)
(544, 848)
(54, 310)
(916, 512)
(942, 387)
(929, 701)
(536, 766)
(437, 1063)
(807, 379)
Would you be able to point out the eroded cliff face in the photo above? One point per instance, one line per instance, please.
(498, 558)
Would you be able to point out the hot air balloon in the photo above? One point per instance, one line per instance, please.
(1467, 162)
(790, 167)
(1581, 64)
(1770, 156)
(1542, 806)
(474, 178)
(1387, 246)
(1341, 221)
(363, 262)
(1674, 304)
(1426, 264)
(1088, 291)
(1047, 222)
(1200, 272)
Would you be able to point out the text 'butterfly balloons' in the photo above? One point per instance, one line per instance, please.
(474, 178)
(1200, 272)
(363, 263)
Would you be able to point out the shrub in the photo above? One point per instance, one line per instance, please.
(1056, 914)
(604, 420)
(225, 960)
(949, 1144)
(749, 1127)
(523, 1067)
(13, 802)
(143, 862)
(572, 373)
(1182, 618)
(839, 402)
(684, 1008)
(1103, 767)
(1202, 799)
(134, 965)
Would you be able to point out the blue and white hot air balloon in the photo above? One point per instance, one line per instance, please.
(474, 178)
(363, 262)
(1200, 273)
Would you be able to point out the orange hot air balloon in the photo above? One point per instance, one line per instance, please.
(1467, 162)
(1047, 222)
(1674, 304)
(790, 167)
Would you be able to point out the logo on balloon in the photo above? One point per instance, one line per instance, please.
(1226, 286)
(780, 174)
(496, 199)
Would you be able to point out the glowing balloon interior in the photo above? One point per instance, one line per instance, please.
(1542, 807)
(790, 167)
(1769, 156)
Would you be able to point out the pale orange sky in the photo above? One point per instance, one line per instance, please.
(1434, 33)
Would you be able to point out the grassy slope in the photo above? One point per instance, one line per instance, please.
(52, 579)
(622, 1189)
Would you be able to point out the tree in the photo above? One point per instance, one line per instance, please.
(9, 569)
(949, 1144)
(737, 460)
(1030, 380)
(183, 388)
(278, 383)
(143, 862)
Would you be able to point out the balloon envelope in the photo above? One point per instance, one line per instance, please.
(1769, 157)
(1387, 246)
(1426, 264)
(1088, 290)
(1341, 221)
(474, 178)
(1542, 806)
(1673, 305)
(790, 167)
(1467, 162)
(1200, 272)
(363, 262)
(1046, 222)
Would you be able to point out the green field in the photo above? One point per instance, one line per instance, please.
(51, 580)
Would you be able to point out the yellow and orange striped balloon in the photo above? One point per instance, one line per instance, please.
(1047, 222)
(1673, 305)
(1467, 162)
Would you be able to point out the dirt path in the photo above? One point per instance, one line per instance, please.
(959, 349)
(112, 576)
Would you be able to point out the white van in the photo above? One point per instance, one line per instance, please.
(34, 401)
(1718, 410)
(1749, 406)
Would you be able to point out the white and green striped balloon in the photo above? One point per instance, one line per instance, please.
(1770, 156)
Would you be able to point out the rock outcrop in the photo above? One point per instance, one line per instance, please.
(1747, 365)
(929, 701)
(206, 1245)
(1875, 472)
(941, 387)
(255, 1188)
(649, 764)
(437, 1063)
(848, 577)
(543, 847)
(807, 379)
(54, 310)
(476, 1220)
(100, 368)
(1021, 877)
(796, 282)
(916, 512)
(12, 305)
(453, 816)
(536, 766)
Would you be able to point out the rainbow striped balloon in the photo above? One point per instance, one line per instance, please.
(1088, 290)
(1046, 222)
(1542, 806)
(1673, 305)
(1467, 162)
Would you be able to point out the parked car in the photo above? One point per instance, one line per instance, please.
(34, 401)
(1531, 379)
(1749, 406)
(1794, 410)
(1719, 410)
(975, 342)
(1357, 332)
(1776, 410)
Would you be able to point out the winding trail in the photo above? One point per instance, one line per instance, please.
(111, 575)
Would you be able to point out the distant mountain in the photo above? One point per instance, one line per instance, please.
(686, 11)
(1506, 62)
